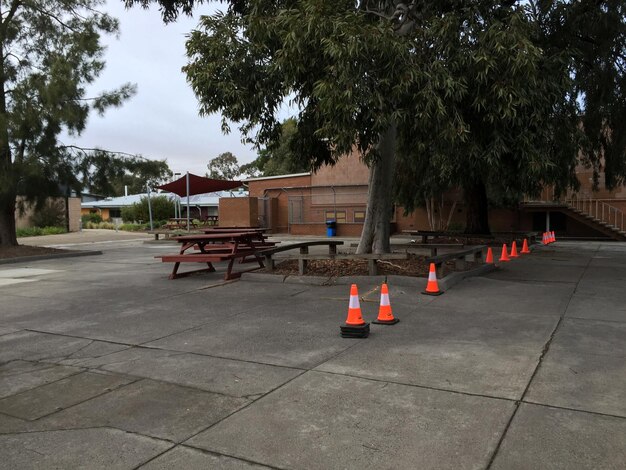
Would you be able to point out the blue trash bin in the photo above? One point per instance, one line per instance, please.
(331, 228)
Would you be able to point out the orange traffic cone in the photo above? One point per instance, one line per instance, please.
(504, 256)
(489, 258)
(525, 249)
(355, 326)
(544, 239)
(385, 317)
(552, 237)
(432, 288)
(513, 253)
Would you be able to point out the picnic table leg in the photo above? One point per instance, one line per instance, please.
(303, 263)
(175, 270)
(228, 276)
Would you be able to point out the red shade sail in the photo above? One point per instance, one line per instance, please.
(198, 185)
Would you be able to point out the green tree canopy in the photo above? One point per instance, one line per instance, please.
(480, 94)
(280, 157)
(49, 51)
(223, 167)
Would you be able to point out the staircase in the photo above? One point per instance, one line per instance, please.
(600, 215)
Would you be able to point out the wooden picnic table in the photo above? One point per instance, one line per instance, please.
(215, 247)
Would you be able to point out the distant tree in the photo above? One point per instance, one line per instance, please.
(49, 51)
(281, 157)
(107, 173)
(224, 167)
(162, 209)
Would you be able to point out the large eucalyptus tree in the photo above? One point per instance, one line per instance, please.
(49, 52)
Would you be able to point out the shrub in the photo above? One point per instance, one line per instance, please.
(131, 227)
(91, 217)
(37, 231)
(50, 214)
(162, 209)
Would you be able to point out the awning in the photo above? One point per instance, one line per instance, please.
(198, 185)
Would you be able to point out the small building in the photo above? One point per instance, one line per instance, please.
(200, 205)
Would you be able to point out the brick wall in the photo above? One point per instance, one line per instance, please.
(238, 212)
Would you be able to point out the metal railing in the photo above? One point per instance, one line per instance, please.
(586, 204)
(597, 209)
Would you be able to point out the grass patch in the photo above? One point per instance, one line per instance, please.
(38, 231)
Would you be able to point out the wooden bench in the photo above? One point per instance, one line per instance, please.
(302, 246)
(426, 234)
(460, 257)
(434, 247)
(370, 257)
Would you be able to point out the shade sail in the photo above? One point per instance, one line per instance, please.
(198, 185)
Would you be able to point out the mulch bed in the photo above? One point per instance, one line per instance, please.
(7, 252)
(414, 266)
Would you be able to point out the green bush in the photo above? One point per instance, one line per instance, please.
(131, 227)
(162, 209)
(91, 217)
(50, 214)
(100, 225)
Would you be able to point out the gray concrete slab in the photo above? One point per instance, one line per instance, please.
(19, 376)
(479, 294)
(31, 346)
(47, 399)
(149, 408)
(102, 448)
(224, 376)
(487, 354)
(321, 421)
(608, 306)
(533, 271)
(585, 368)
(585, 382)
(283, 332)
(542, 437)
(579, 336)
(193, 459)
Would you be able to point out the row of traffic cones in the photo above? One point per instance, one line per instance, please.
(505, 256)
(548, 237)
(355, 326)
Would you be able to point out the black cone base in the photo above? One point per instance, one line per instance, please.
(432, 293)
(386, 322)
(351, 331)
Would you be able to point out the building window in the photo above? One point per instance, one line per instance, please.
(359, 216)
(115, 213)
(338, 216)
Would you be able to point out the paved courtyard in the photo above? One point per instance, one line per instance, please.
(105, 363)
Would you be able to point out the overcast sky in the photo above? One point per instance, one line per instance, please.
(161, 121)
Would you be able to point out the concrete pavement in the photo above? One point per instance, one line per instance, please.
(105, 363)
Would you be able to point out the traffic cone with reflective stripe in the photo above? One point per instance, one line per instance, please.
(504, 256)
(432, 288)
(544, 239)
(513, 253)
(355, 326)
(385, 317)
(489, 258)
(525, 249)
(552, 237)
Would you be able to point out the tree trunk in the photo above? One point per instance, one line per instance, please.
(477, 217)
(376, 227)
(7, 224)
